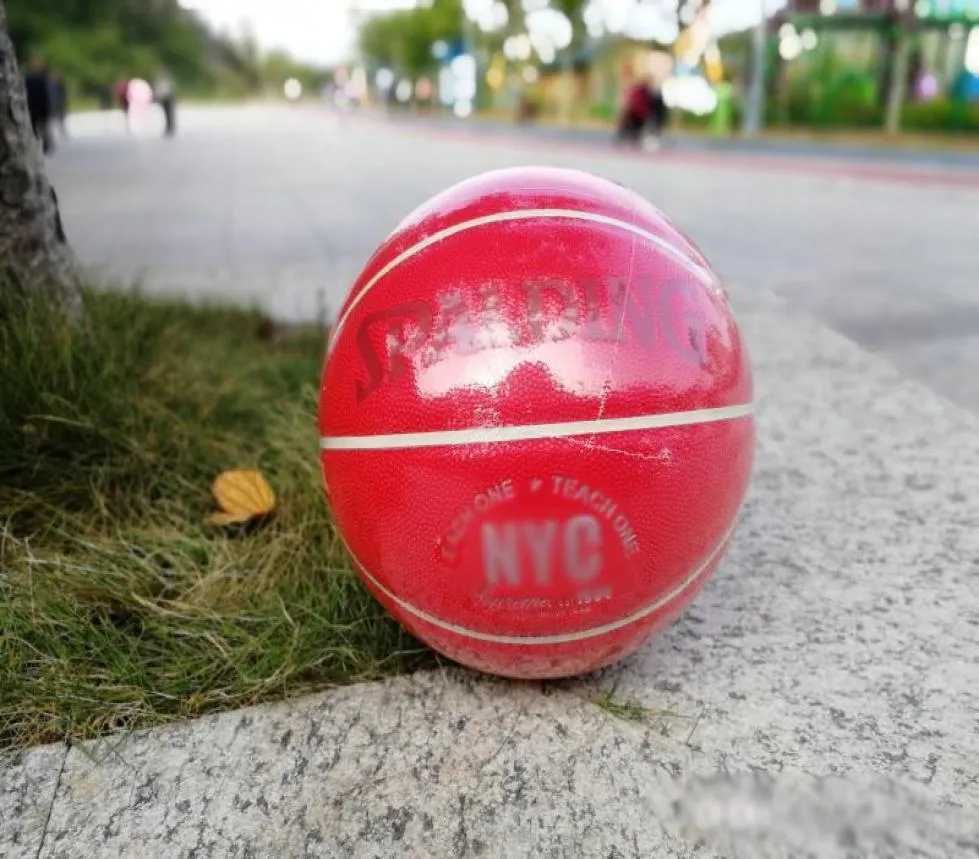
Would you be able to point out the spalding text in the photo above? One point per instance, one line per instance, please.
(420, 334)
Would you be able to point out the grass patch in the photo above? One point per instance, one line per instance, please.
(119, 606)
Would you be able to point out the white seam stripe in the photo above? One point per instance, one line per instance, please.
(564, 638)
(519, 215)
(530, 432)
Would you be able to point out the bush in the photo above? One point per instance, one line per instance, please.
(942, 115)
(685, 119)
(603, 110)
(805, 107)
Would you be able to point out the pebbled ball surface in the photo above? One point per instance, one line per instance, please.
(537, 424)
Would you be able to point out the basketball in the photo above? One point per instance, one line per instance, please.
(536, 422)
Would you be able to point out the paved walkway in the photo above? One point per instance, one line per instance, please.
(281, 208)
(818, 699)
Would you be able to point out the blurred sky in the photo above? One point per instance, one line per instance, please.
(322, 31)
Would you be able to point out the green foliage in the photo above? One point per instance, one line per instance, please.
(573, 10)
(604, 110)
(857, 111)
(276, 67)
(942, 114)
(850, 95)
(403, 40)
(94, 43)
(685, 119)
(811, 105)
(828, 92)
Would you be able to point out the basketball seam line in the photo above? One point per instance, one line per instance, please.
(562, 638)
(702, 274)
(532, 432)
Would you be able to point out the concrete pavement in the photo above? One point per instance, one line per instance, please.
(281, 208)
(820, 696)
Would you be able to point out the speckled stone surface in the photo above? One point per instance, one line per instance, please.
(27, 784)
(438, 765)
(453, 765)
(841, 634)
(819, 699)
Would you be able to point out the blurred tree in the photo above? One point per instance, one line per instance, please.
(34, 252)
(276, 67)
(96, 42)
(898, 45)
(515, 15)
(378, 39)
(573, 10)
(403, 40)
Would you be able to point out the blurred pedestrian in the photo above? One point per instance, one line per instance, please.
(122, 98)
(37, 82)
(659, 113)
(139, 97)
(645, 114)
(636, 112)
(164, 92)
(59, 103)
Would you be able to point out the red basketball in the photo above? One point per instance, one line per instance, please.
(536, 421)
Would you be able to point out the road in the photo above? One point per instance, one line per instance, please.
(281, 207)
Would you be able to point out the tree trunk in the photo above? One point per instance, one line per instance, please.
(34, 252)
(900, 59)
(754, 115)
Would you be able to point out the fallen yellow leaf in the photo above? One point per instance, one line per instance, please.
(229, 518)
(243, 494)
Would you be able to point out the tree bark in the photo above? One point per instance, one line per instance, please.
(897, 94)
(754, 115)
(34, 252)
(901, 44)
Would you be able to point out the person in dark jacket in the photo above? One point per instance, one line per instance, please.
(37, 82)
(165, 95)
(645, 114)
(59, 103)
(636, 112)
